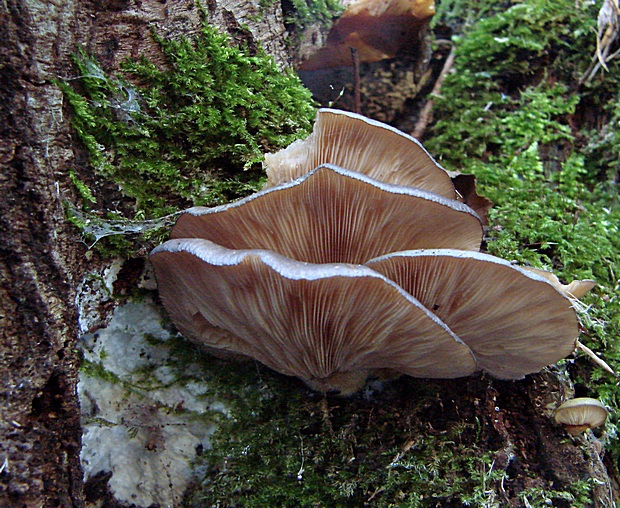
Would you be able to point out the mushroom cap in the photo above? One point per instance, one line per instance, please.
(581, 412)
(514, 321)
(316, 322)
(360, 144)
(332, 215)
(378, 29)
(575, 289)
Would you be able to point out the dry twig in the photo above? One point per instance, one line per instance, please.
(427, 112)
(608, 32)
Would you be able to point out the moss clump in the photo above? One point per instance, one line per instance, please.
(410, 442)
(282, 446)
(189, 132)
(303, 13)
(516, 114)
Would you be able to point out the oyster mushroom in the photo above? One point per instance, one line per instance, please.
(279, 276)
(363, 145)
(581, 414)
(514, 321)
(328, 324)
(332, 215)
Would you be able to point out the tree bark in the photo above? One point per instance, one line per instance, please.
(39, 263)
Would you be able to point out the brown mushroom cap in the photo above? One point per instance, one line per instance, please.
(360, 144)
(378, 29)
(332, 215)
(580, 414)
(514, 321)
(316, 322)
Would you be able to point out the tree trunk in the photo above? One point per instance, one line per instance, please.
(39, 262)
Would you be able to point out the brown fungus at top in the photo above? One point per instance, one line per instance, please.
(377, 29)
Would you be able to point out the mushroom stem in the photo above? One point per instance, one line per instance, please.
(575, 430)
(344, 383)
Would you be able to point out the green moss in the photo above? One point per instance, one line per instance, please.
(97, 370)
(411, 443)
(520, 39)
(514, 113)
(281, 446)
(579, 495)
(83, 190)
(191, 131)
(307, 12)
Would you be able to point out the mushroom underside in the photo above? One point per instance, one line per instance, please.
(580, 414)
(515, 322)
(362, 145)
(331, 324)
(332, 215)
(311, 321)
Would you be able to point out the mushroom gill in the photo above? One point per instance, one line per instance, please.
(515, 322)
(327, 324)
(335, 273)
(332, 215)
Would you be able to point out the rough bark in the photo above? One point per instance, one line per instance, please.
(38, 263)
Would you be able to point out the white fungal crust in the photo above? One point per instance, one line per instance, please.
(334, 215)
(515, 321)
(363, 145)
(311, 321)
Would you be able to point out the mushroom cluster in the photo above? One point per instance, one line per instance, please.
(358, 259)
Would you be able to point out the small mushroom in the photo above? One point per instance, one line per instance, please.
(581, 414)
(363, 145)
(575, 289)
(332, 215)
(328, 324)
